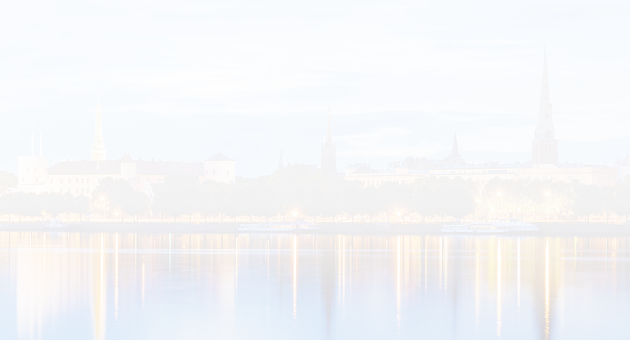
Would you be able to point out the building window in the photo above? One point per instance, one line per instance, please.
(51, 181)
(228, 172)
(76, 180)
(69, 180)
(87, 180)
(214, 172)
(22, 179)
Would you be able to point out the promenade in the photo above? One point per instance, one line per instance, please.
(551, 228)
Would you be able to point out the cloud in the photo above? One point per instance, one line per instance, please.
(370, 144)
(224, 82)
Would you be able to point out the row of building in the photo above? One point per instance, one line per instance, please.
(83, 176)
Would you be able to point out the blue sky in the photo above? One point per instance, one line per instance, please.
(183, 80)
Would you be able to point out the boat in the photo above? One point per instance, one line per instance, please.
(277, 226)
(499, 226)
(59, 225)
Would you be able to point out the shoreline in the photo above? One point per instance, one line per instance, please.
(554, 228)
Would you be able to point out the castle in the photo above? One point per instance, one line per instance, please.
(82, 177)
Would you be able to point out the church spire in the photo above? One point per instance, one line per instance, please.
(281, 161)
(544, 128)
(455, 151)
(98, 148)
(328, 131)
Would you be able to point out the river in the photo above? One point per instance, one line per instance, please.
(67, 285)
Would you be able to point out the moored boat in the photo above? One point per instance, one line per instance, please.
(279, 227)
(59, 225)
(500, 226)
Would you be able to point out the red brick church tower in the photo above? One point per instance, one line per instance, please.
(329, 158)
(545, 145)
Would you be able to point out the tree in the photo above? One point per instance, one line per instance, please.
(608, 200)
(264, 204)
(622, 201)
(422, 201)
(313, 200)
(203, 204)
(393, 165)
(328, 207)
(7, 179)
(136, 203)
(53, 204)
(460, 203)
(440, 199)
(588, 200)
(350, 200)
(367, 204)
(80, 205)
(179, 181)
(186, 197)
(230, 203)
(296, 198)
(247, 201)
(217, 203)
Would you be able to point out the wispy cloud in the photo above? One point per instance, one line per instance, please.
(222, 82)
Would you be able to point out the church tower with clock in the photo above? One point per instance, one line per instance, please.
(545, 144)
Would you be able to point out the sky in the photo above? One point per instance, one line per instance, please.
(184, 80)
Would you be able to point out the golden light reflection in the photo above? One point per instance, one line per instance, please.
(294, 277)
(398, 285)
(547, 289)
(499, 289)
(116, 283)
(518, 273)
(477, 284)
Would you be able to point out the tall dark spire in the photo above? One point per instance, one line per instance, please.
(544, 128)
(455, 151)
(328, 131)
(281, 161)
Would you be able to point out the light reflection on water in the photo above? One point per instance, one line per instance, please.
(229, 286)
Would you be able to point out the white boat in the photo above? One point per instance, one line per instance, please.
(500, 226)
(277, 226)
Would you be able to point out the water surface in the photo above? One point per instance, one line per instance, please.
(285, 286)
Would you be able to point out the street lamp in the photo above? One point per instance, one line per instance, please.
(103, 202)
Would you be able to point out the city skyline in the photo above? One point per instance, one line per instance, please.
(400, 79)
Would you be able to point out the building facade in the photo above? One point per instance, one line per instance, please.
(377, 178)
(82, 177)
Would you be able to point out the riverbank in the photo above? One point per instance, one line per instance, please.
(557, 228)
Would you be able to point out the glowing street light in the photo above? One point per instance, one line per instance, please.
(294, 213)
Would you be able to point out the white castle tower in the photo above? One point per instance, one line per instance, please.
(98, 148)
(32, 171)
